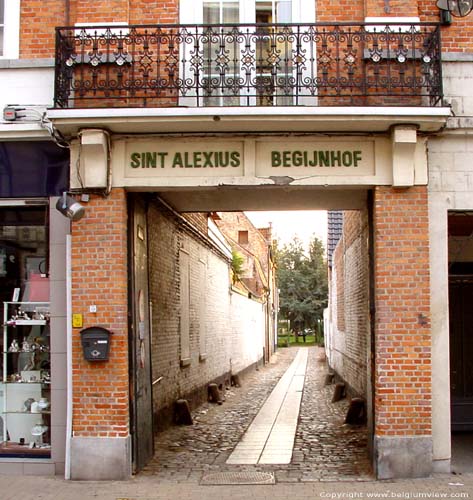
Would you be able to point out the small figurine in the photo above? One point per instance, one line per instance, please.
(14, 347)
(25, 346)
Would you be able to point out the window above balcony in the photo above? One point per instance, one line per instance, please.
(9, 29)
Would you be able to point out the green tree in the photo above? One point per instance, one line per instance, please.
(238, 262)
(302, 283)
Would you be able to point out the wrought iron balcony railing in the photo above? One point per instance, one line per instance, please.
(249, 65)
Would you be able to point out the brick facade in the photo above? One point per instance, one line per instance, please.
(37, 34)
(403, 344)
(402, 299)
(99, 277)
(254, 249)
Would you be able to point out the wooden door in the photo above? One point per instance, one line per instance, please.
(461, 353)
(142, 407)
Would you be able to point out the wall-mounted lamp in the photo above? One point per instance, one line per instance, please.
(70, 208)
(457, 8)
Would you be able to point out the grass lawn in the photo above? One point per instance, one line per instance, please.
(289, 340)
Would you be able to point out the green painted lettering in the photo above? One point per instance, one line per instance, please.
(177, 161)
(357, 156)
(297, 158)
(313, 162)
(150, 160)
(207, 159)
(224, 158)
(286, 158)
(135, 160)
(162, 156)
(187, 164)
(335, 157)
(275, 159)
(197, 159)
(235, 159)
(324, 158)
(347, 159)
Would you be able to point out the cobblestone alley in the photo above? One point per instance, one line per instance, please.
(325, 448)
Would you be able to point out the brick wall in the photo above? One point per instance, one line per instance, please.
(378, 8)
(233, 325)
(150, 11)
(349, 303)
(40, 17)
(99, 277)
(255, 250)
(340, 10)
(198, 220)
(402, 300)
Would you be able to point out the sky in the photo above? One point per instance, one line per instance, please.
(287, 224)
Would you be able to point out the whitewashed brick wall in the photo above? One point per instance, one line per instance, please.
(233, 325)
(348, 342)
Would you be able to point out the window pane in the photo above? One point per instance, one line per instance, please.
(1, 41)
(264, 11)
(2, 11)
(284, 11)
(230, 12)
(211, 12)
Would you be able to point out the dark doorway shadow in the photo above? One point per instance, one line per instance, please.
(462, 452)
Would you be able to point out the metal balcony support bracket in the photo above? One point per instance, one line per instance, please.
(404, 144)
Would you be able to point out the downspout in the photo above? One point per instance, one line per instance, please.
(372, 314)
(67, 464)
(67, 471)
(67, 12)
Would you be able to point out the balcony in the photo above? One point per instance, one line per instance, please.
(259, 66)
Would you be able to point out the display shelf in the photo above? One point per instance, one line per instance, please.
(26, 322)
(45, 412)
(42, 382)
(26, 362)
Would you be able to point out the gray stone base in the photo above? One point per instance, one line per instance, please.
(98, 459)
(442, 466)
(403, 457)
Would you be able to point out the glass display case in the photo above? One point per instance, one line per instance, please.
(26, 380)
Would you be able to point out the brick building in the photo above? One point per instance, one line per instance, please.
(258, 277)
(338, 105)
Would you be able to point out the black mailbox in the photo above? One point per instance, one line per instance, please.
(95, 343)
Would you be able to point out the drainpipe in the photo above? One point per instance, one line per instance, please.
(67, 472)
(372, 308)
(67, 12)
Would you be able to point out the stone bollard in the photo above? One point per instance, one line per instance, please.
(329, 379)
(235, 381)
(182, 412)
(214, 394)
(339, 392)
(356, 414)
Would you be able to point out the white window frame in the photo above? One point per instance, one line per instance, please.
(11, 30)
(191, 12)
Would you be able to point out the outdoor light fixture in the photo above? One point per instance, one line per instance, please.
(457, 8)
(70, 208)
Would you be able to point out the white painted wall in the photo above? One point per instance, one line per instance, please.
(450, 157)
(247, 323)
(26, 86)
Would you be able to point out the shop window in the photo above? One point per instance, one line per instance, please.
(25, 418)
